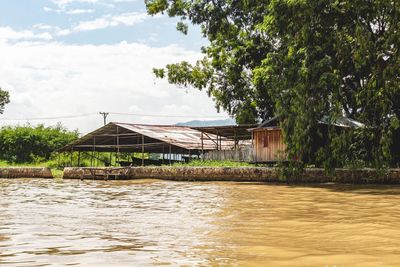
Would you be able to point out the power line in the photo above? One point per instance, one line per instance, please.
(49, 118)
(108, 113)
(166, 116)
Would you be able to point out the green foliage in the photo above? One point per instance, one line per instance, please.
(4, 99)
(290, 171)
(301, 60)
(29, 144)
(337, 57)
(182, 27)
(236, 48)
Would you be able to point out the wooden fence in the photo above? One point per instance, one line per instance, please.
(243, 154)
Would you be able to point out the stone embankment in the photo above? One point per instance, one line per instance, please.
(237, 174)
(25, 172)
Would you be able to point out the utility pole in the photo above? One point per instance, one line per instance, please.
(104, 114)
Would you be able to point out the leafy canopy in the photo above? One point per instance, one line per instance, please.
(236, 48)
(302, 60)
(4, 99)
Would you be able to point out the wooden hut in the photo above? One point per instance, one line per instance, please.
(268, 143)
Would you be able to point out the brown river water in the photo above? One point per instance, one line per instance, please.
(165, 223)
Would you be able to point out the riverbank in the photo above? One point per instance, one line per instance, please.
(236, 174)
(26, 172)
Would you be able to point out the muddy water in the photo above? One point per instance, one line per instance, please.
(161, 223)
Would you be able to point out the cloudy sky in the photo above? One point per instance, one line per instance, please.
(74, 58)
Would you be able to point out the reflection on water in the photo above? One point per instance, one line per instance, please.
(149, 222)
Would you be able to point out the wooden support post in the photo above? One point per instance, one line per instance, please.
(163, 154)
(117, 157)
(169, 154)
(110, 159)
(254, 152)
(235, 139)
(217, 141)
(218, 137)
(142, 150)
(202, 146)
(79, 158)
(94, 149)
(72, 157)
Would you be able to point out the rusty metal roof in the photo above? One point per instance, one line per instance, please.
(128, 137)
(182, 136)
(238, 132)
(342, 122)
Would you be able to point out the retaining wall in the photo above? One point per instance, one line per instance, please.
(238, 174)
(24, 172)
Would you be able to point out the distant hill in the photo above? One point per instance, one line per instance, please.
(198, 123)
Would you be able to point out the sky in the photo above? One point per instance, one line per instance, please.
(67, 60)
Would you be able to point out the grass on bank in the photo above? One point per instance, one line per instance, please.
(8, 164)
(194, 163)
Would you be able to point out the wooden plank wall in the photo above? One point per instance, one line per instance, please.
(274, 151)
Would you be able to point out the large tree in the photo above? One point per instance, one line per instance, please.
(302, 60)
(236, 48)
(4, 99)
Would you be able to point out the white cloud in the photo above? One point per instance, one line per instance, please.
(62, 4)
(42, 26)
(124, 19)
(8, 34)
(63, 32)
(79, 11)
(123, 1)
(53, 79)
(49, 9)
(91, 25)
(76, 11)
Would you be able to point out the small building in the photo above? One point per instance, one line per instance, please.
(170, 141)
(268, 142)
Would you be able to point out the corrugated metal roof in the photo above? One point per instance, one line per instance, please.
(338, 121)
(238, 132)
(342, 122)
(181, 136)
(156, 137)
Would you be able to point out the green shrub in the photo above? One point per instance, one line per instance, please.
(32, 144)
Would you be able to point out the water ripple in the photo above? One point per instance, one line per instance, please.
(151, 222)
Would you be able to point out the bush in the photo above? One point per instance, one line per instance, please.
(32, 144)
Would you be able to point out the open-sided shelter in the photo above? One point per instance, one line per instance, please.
(238, 133)
(161, 139)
